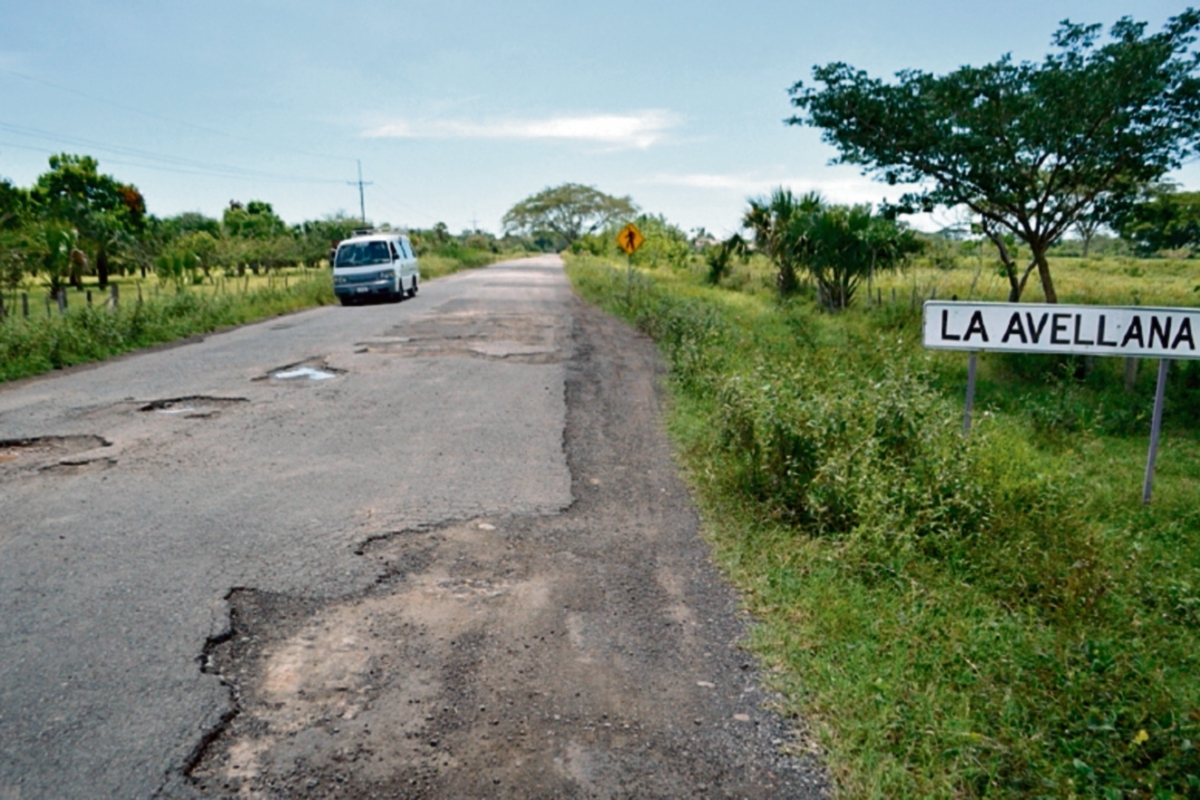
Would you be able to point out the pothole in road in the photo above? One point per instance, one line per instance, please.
(312, 373)
(192, 406)
(51, 453)
(521, 338)
(373, 687)
(310, 369)
(486, 666)
(74, 466)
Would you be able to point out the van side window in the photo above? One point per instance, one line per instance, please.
(392, 247)
(405, 247)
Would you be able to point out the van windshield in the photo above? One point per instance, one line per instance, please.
(360, 254)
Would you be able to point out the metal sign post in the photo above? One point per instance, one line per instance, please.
(1155, 429)
(629, 240)
(1124, 331)
(970, 394)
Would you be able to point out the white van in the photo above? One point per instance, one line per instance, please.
(375, 264)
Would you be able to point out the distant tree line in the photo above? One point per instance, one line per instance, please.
(76, 221)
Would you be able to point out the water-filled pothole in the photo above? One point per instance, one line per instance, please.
(310, 369)
(312, 373)
(192, 406)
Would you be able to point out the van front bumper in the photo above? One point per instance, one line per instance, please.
(364, 289)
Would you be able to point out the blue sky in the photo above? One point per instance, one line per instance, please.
(459, 109)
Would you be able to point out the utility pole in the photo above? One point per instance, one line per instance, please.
(362, 206)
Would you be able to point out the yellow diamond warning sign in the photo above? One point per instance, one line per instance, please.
(630, 238)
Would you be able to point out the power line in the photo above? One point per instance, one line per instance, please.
(172, 120)
(164, 163)
(397, 201)
(362, 206)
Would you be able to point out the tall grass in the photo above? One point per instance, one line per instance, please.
(44, 342)
(991, 617)
(435, 265)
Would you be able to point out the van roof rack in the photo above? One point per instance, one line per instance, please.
(401, 230)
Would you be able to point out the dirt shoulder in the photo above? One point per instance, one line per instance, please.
(593, 653)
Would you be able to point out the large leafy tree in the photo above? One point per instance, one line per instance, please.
(1162, 219)
(100, 208)
(254, 220)
(568, 211)
(1030, 148)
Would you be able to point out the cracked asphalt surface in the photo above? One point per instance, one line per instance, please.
(462, 565)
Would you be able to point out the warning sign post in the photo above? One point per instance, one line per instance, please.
(629, 240)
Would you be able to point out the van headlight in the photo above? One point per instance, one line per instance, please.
(339, 279)
(386, 275)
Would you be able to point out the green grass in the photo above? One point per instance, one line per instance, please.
(998, 617)
(435, 266)
(48, 341)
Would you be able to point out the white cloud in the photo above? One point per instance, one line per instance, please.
(835, 190)
(638, 130)
(848, 189)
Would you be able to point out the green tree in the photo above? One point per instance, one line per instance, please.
(842, 246)
(51, 244)
(318, 237)
(719, 257)
(189, 222)
(772, 221)
(254, 220)
(568, 212)
(1030, 148)
(1162, 219)
(666, 244)
(13, 249)
(101, 209)
(13, 205)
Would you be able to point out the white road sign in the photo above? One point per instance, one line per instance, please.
(1131, 331)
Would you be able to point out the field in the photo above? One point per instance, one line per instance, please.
(998, 616)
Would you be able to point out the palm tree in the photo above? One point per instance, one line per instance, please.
(774, 222)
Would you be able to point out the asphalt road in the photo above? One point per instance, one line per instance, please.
(445, 560)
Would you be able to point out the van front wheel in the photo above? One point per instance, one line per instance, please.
(413, 289)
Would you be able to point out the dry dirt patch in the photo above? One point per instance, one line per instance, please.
(523, 338)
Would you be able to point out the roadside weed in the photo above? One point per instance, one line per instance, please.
(996, 616)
